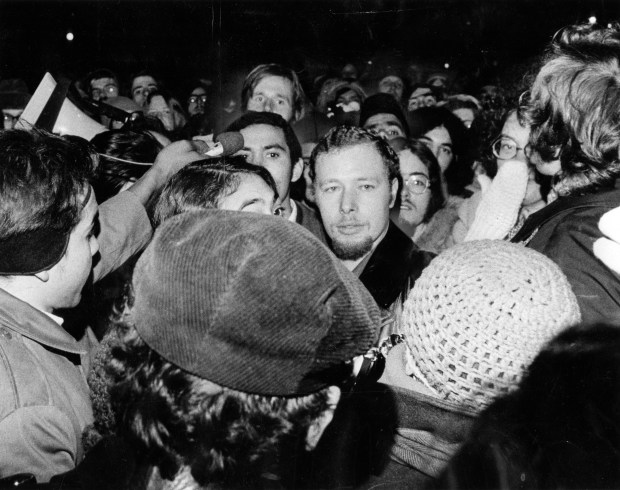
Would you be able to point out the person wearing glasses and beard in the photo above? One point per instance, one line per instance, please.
(421, 211)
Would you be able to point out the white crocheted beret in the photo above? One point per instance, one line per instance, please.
(479, 314)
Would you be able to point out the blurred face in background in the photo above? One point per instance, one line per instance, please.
(421, 97)
(197, 101)
(392, 85)
(141, 87)
(273, 94)
(388, 126)
(440, 143)
(103, 88)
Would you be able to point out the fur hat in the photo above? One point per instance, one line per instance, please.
(253, 303)
(479, 314)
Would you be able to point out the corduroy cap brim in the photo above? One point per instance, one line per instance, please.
(250, 302)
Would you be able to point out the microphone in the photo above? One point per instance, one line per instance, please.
(226, 144)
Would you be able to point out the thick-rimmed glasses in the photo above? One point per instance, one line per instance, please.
(506, 148)
(194, 99)
(417, 184)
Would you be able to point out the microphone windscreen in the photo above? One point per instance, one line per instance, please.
(231, 142)
(200, 146)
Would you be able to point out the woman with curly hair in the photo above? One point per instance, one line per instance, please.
(574, 114)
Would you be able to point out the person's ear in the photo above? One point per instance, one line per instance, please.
(298, 170)
(318, 426)
(393, 192)
(43, 276)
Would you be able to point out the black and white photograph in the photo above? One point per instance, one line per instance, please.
(310, 244)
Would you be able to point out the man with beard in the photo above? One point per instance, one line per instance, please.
(355, 177)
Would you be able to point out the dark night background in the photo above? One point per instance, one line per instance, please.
(221, 40)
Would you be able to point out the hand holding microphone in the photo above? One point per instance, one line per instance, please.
(177, 155)
(225, 144)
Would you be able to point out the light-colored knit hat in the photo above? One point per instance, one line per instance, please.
(479, 314)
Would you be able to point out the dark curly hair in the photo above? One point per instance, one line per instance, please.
(574, 108)
(173, 419)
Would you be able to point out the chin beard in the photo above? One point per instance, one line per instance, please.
(352, 251)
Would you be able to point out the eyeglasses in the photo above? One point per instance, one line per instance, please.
(193, 99)
(505, 148)
(417, 184)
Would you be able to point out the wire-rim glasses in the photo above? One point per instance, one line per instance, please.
(506, 148)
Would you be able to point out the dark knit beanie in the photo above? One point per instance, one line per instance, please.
(253, 303)
(382, 104)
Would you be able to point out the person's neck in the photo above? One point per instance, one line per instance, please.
(352, 264)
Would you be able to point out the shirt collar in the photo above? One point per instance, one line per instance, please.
(43, 328)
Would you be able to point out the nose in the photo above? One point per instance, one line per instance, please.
(269, 106)
(404, 192)
(382, 133)
(348, 201)
(256, 159)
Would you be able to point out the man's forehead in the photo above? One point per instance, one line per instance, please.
(103, 81)
(383, 118)
(273, 83)
(364, 153)
(143, 81)
(263, 135)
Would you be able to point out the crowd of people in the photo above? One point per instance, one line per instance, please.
(410, 289)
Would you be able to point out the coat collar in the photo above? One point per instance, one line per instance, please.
(536, 220)
(22, 318)
(387, 273)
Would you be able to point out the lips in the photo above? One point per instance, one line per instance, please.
(350, 228)
(407, 205)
